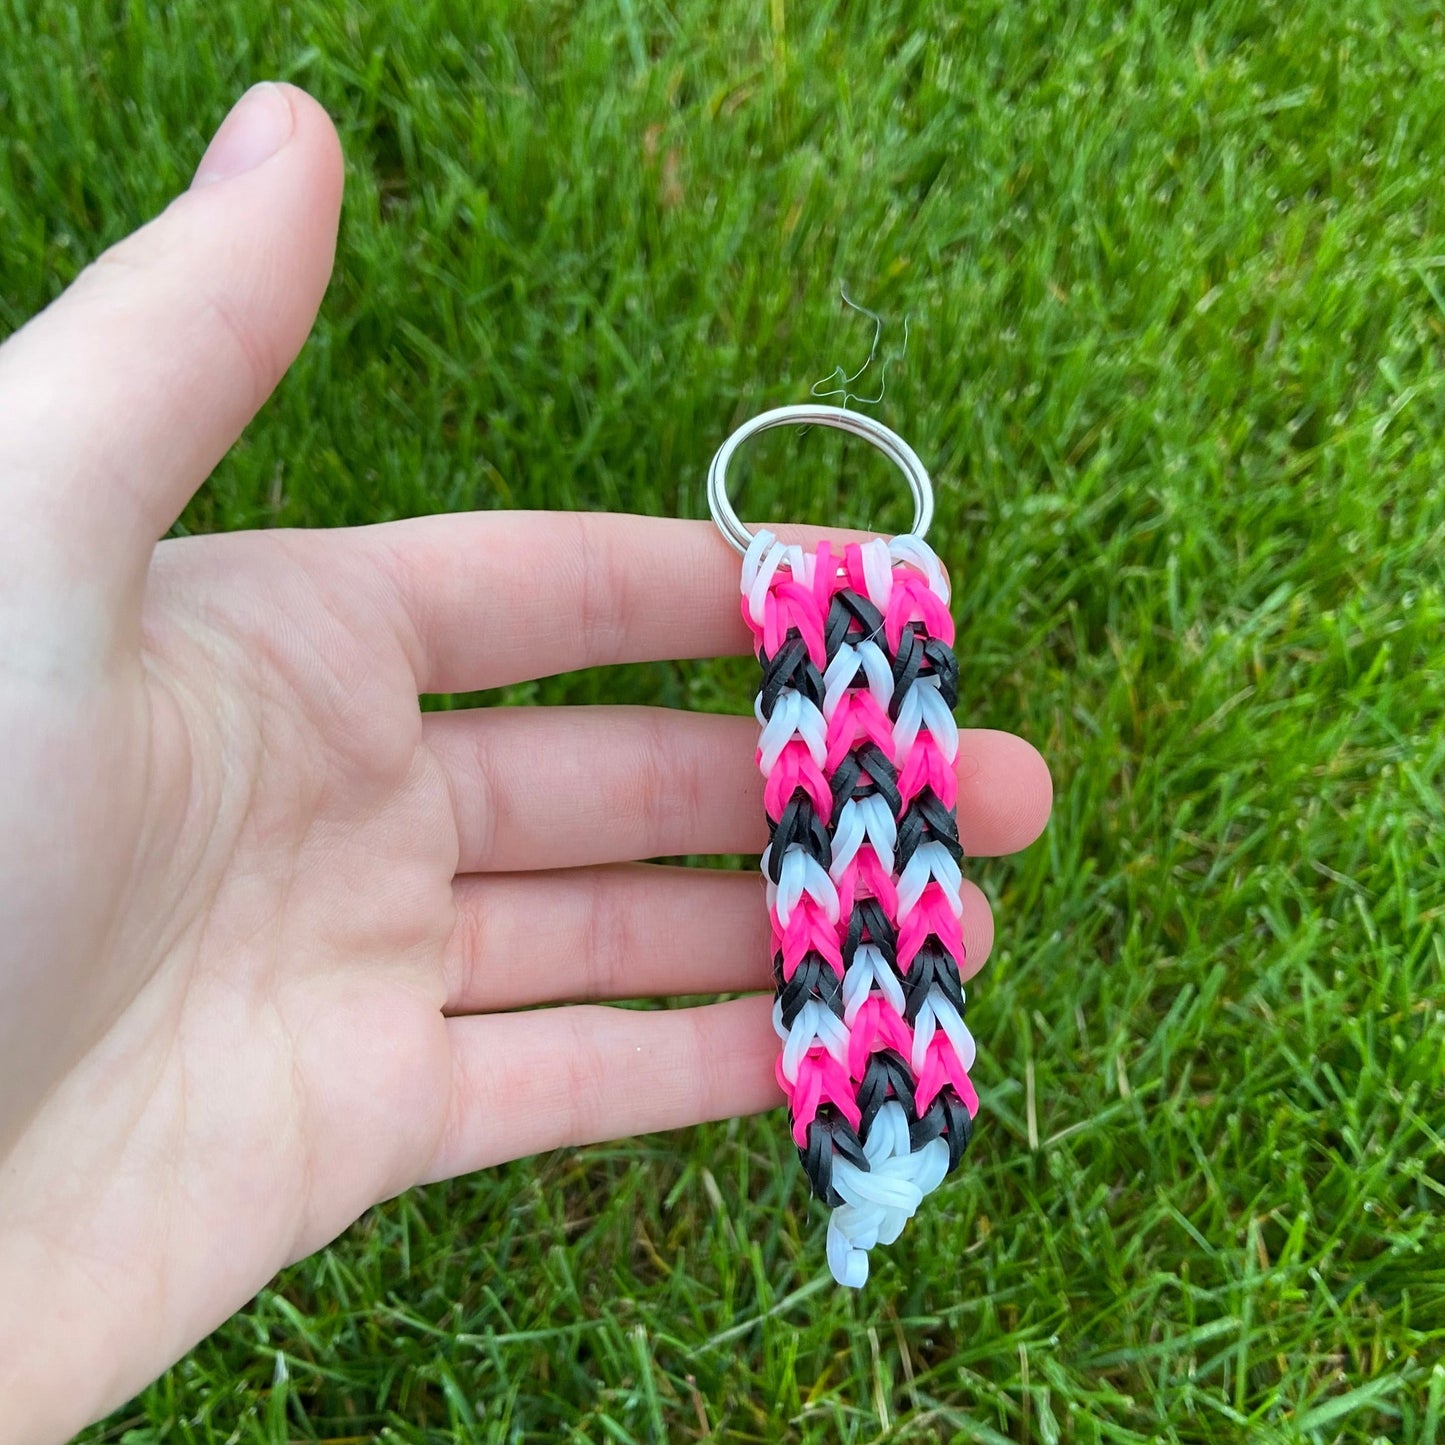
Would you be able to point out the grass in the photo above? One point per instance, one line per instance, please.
(1175, 283)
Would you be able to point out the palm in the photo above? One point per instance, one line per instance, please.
(296, 1061)
(275, 932)
(311, 996)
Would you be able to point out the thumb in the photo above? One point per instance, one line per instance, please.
(116, 401)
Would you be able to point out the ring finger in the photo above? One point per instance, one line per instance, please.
(624, 932)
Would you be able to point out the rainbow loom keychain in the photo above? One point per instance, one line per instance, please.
(863, 868)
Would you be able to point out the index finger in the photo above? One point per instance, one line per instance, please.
(483, 599)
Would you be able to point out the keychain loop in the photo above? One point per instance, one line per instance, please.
(874, 432)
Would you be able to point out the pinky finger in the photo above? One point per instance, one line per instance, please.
(557, 1078)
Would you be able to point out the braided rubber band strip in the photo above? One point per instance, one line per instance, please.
(857, 749)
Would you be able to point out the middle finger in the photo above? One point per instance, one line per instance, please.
(560, 787)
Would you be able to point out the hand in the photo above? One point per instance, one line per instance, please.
(264, 920)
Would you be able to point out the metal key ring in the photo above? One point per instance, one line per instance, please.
(874, 432)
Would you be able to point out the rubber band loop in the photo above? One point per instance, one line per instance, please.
(857, 741)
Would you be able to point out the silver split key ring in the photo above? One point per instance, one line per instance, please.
(874, 432)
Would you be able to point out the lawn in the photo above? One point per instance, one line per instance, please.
(1174, 283)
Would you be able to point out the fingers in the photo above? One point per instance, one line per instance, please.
(555, 787)
(121, 396)
(626, 932)
(629, 931)
(486, 599)
(555, 1078)
(562, 787)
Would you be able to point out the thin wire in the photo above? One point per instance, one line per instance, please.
(837, 374)
(825, 387)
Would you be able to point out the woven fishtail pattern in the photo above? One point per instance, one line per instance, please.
(857, 748)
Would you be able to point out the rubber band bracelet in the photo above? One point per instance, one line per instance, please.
(863, 872)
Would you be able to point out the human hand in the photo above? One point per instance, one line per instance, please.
(265, 922)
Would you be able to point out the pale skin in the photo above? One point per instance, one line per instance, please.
(266, 924)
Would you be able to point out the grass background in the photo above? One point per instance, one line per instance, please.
(1175, 282)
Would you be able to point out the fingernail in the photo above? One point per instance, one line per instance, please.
(259, 124)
